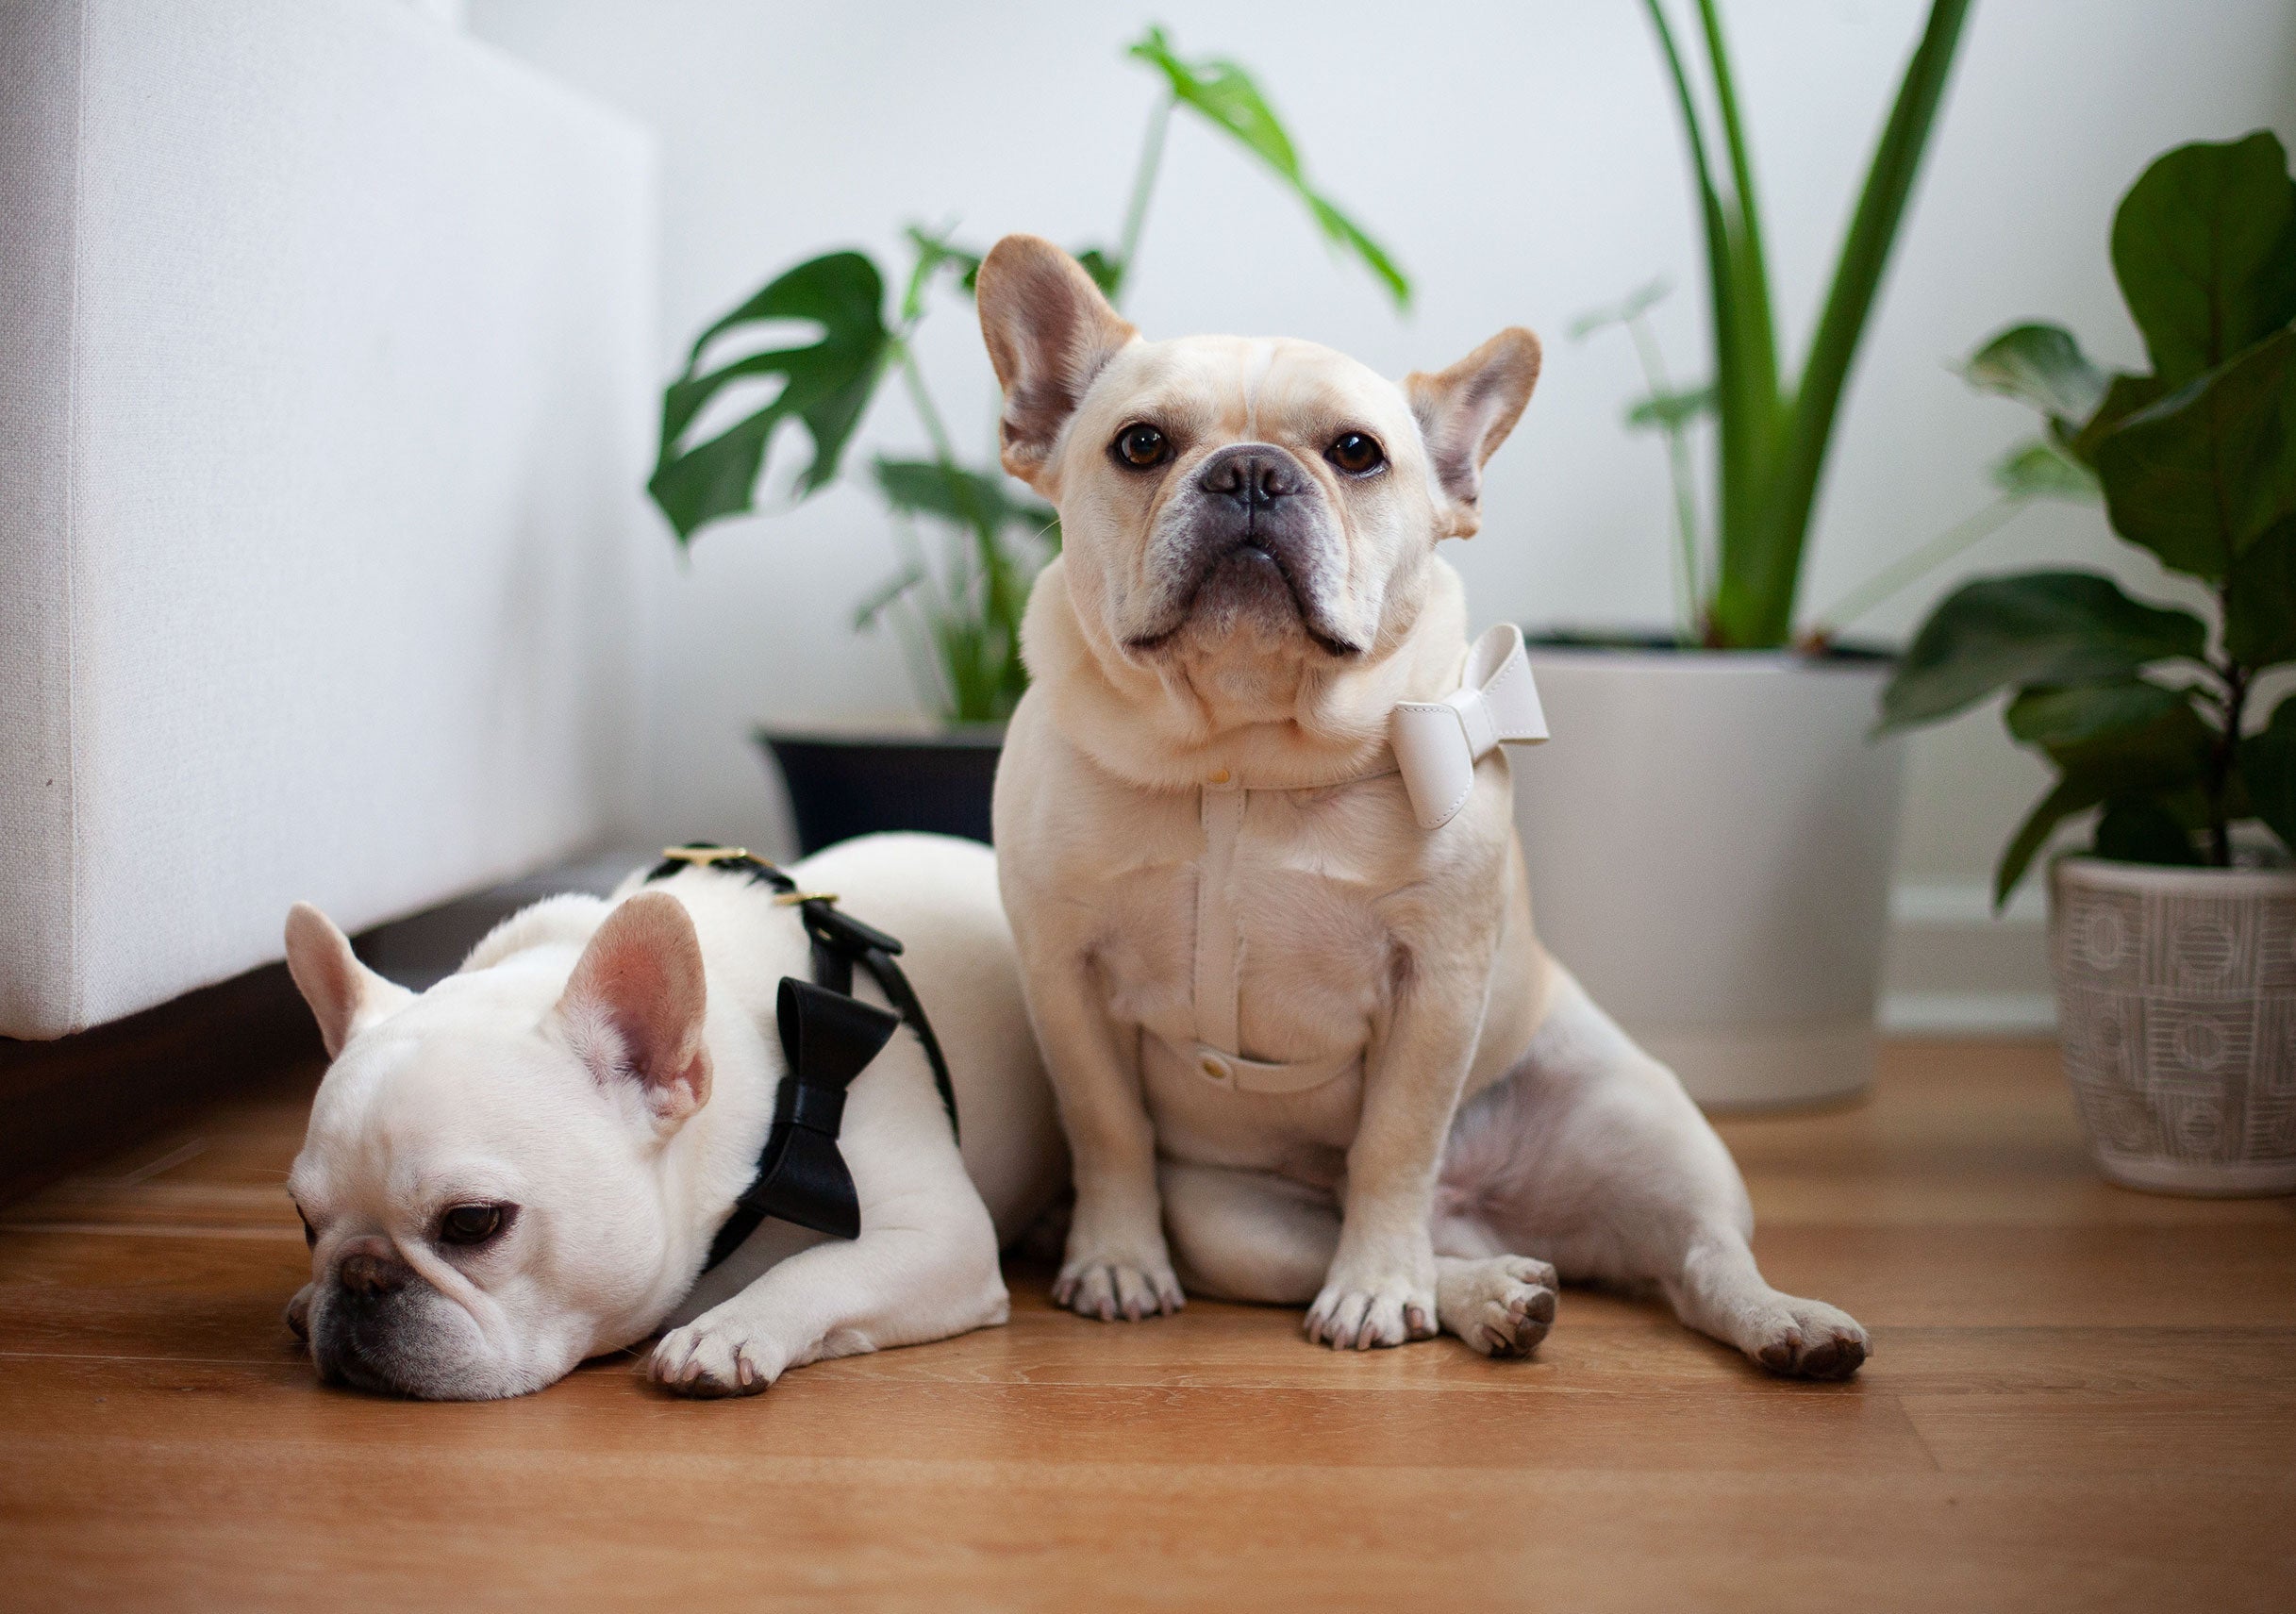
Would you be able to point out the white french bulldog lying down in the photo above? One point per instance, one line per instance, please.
(526, 1165)
(1259, 857)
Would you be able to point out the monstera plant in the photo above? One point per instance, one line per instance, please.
(958, 615)
(2144, 709)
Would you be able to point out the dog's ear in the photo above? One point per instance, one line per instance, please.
(1465, 414)
(633, 1007)
(346, 996)
(1049, 332)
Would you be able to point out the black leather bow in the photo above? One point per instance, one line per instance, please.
(828, 1038)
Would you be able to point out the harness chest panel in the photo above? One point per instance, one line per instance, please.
(1217, 1056)
(1435, 746)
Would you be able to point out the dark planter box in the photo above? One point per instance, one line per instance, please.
(843, 786)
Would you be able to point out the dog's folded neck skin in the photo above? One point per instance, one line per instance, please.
(1248, 583)
(1170, 723)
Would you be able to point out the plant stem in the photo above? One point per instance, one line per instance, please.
(1000, 603)
(1907, 568)
(1687, 582)
(2220, 762)
(913, 378)
(1143, 186)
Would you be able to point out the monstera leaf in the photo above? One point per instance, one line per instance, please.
(1224, 95)
(825, 386)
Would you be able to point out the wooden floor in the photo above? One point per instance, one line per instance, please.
(2080, 1398)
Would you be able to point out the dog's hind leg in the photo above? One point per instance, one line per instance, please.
(1256, 1236)
(1591, 1156)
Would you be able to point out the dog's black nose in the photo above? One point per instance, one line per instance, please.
(1253, 474)
(370, 1275)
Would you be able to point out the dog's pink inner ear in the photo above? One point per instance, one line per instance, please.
(1049, 332)
(1465, 414)
(344, 996)
(635, 1004)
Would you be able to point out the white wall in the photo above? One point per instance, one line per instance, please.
(1525, 163)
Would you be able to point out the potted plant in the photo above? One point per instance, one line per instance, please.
(2173, 935)
(958, 614)
(1711, 834)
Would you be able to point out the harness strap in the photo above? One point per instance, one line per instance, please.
(828, 1037)
(1217, 1055)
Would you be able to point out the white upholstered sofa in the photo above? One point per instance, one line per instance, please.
(324, 365)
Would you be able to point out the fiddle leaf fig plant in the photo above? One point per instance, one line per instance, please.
(2142, 709)
(959, 617)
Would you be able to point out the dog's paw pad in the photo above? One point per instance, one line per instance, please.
(1502, 1307)
(1812, 1340)
(706, 1362)
(1115, 1288)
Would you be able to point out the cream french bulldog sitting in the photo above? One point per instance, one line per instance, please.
(1255, 843)
(527, 1164)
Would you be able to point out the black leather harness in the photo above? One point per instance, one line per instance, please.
(828, 1037)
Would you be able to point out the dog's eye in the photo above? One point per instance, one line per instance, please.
(1356, 453)
(472, 1224)
(1141, 445)
(310, 1240)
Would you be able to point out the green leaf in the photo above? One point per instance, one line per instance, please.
(2039, 627)
(865, 615)
(825, 387)
(2080, 723)
(1754, 601)
(2260, 601)
(2040, 365)
(977, 500)
(1665, 411)
(2123, 396)
(2198, 476)
(1625, 311)
(1224, 95)
(2205, 247)
(2067, 797)
(1106, 271)
(2111, 745)
(2142, 829)
(2268, 767)
(935, 253)
(2041, 470)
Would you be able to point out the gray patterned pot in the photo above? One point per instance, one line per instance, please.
(2177, 1005)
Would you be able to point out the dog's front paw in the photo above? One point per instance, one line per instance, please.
(1113, 1284)
(1808, 1339)
(1359, 1313)
(713, 1359)
(1502, 1307)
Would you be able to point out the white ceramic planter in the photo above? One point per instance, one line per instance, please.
(2177, 1005)
(1710, 837)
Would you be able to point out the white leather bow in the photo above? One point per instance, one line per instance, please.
(1439, 743)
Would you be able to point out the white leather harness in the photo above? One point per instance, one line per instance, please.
(1435, 746)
